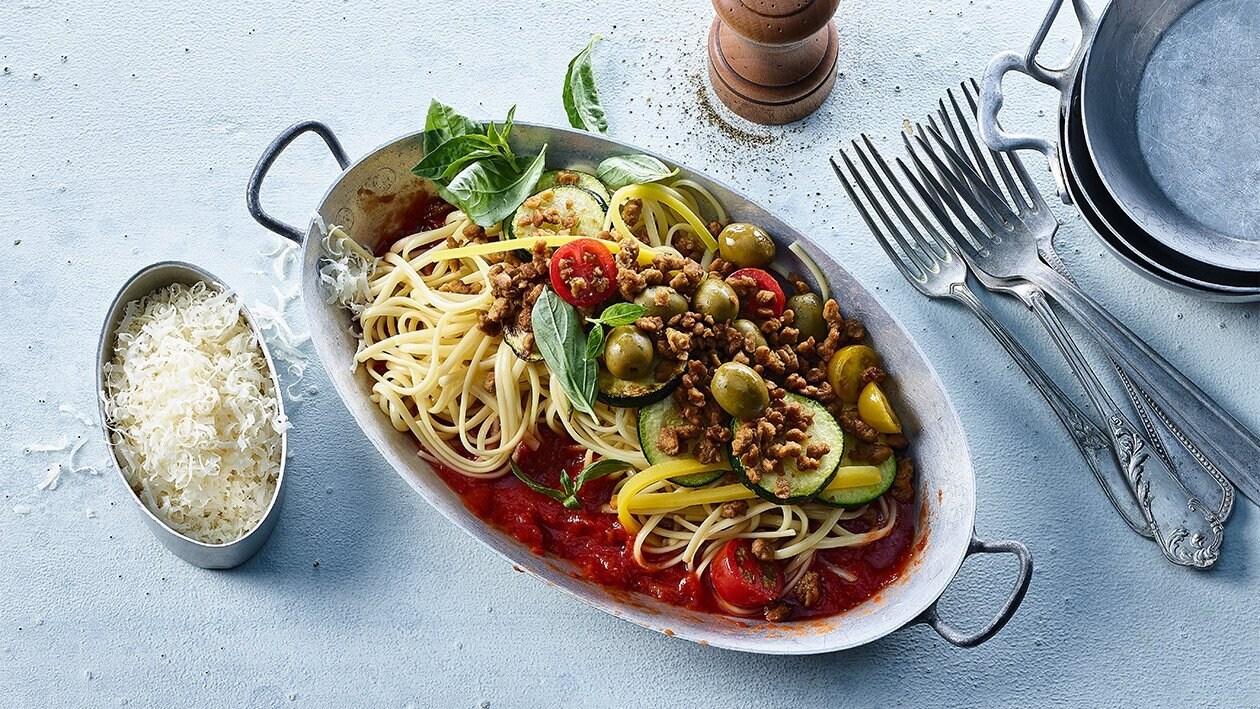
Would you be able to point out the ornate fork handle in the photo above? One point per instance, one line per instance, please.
(1089, 439)
(1220, 435)
(1187, 531)
(1144, 407)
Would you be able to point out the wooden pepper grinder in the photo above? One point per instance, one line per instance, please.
(773, 61)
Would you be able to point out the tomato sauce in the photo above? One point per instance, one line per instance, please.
(603, 551)
(403, 215)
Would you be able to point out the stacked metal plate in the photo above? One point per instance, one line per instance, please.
(1158, 144)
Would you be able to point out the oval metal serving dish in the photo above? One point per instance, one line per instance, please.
(369, 199)
(207, 556)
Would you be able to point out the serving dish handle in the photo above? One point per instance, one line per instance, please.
(282, 141)
(931, 616)
(1060, 79)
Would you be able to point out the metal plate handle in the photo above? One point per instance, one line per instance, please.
(957, 637)
(1060, 79)
(268, 158)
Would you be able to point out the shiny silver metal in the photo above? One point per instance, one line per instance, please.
(1174, 84)
(1216, 435)
(207, 556)
(1195, 470)
(1169, 97)
(1126, 239)
(995, 239)
(932, 265)
(1059, 78)
(364, 199)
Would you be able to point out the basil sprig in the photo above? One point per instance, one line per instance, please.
(567, 496)
(615, 315)
(581, 98)
(473, 167)
(558, 334)
(621, 170)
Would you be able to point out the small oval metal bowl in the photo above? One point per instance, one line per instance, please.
(197, 553)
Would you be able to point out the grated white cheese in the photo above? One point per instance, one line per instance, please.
(82, 417)
(51, 478)
(193, 413)
(345, 271)
(60, 445)
(74, 452)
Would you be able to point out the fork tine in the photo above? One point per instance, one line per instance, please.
(948, 129)
(965, 121)
(939, 199)
(1003, 218)
(975, 158)
(971, 91)
(997, 216)
(920, 269)
(923, 261)
(915, 276)
(963, 166)
(955, 238)
(935, 244)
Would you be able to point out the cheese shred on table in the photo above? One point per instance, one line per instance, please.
(193, 413)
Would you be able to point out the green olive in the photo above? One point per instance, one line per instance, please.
(628, 353)
(748, 327)
(739, 390)
(662, 302)
(713, 297)
(809, 316)
(746, 245)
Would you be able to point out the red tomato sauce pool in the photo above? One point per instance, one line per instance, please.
(603, 552)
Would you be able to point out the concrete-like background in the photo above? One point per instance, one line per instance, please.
(128, 135)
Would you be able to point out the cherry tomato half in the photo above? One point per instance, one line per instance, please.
(765, 281)
(584, 273)
(742, 579)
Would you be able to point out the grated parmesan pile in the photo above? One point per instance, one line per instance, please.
(193, 413)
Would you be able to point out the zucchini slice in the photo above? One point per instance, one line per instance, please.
(627, 394)
(858, 496)
(652, 419)
(582, 209)
(516, 340)
(803, 485)
(585, 180)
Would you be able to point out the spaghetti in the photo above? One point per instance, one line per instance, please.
(471, 399)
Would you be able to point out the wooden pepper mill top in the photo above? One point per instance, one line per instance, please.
(773, 61)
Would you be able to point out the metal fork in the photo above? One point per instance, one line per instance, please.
(1195, 470)
(1002, 248)
(936, 270)
(1011, 260)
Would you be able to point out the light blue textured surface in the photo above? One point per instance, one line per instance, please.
(128, 136)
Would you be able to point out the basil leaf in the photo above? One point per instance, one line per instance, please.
(507, 129)
(558, 334)
(442, 123)
(595, 342)
(499, 138)
(621, 170)
(568, 496)
(491, 189)
(619, 314)
(599, 469)
(581, 99)
(449, 158)
(534, 485)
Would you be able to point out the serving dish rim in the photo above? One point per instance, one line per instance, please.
(640, 611)
(199, 553)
